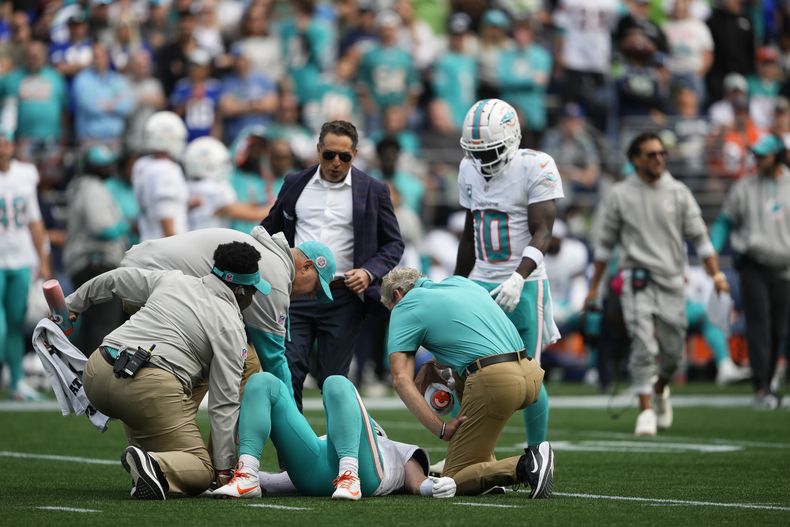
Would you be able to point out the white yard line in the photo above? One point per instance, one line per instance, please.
(66, 509)
(279, 507)
(50, 457)
(498, 506)
(674, 502)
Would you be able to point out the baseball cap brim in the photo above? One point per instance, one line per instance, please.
(325, 293)
(253, 279)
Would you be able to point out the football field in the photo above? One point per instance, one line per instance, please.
(722, 463)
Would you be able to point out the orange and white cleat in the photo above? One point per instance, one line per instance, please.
(242, 485)
(347, 487)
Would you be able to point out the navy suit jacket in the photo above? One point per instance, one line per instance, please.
(378, 245)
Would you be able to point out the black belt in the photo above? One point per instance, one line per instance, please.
(495, 359)
(337, 283)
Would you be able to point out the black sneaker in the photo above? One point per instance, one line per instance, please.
(148, 481)
(536, 468)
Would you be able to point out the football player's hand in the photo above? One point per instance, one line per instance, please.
(443, 487)
(508, 293)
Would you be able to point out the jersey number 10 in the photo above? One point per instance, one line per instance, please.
(492, 237)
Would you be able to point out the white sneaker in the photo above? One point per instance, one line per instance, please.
(437, 468)
(347, 487)
(26, 393)
(729, 372)
(766, 401)
(663, 409)
(646, 423)
(242, 485)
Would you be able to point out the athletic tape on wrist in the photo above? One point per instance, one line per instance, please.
(534, 254)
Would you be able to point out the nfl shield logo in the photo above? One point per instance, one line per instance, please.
(244, 353)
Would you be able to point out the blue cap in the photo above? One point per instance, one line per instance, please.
(768, 144)
(244, 279)
(324, 262)
(100, 155)
(496, 18)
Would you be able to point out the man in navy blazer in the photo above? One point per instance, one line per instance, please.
(352, 213)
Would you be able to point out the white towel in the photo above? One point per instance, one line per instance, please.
(64, 364)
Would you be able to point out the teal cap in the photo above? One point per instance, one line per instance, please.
(324, 262)
(768, 144)
(244, 279)
(496, 18)
(100, 155)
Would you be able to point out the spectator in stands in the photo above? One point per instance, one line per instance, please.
(756, 219)
(523, 78)
(288, 125)
(251, 179)
(410, 189)
(99, 20)
(572, 146)
(387, 74)
(416, 35)
(155, 30)
(207, 31)
(37, 95)
(72, 56)
(584, 55)
(196, 97)
(172, 57)
(722, 112)
(248, 98)
(360, 32)
(642, 86)
(309, 43)
(733, 44)
(686, 158)
(335, 97)
(259, 45)
(764, 86)
(102, 101)
(125, 43)
(493, 42)
(454, 77)
(12, 51)
(638, 17)
(395, 124)
(731, 150)
(690, 48)
(149, 98)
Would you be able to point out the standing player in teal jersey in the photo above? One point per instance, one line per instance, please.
(510, 199)
(454, 78)
(352, 461)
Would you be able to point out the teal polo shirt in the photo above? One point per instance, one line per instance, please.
(455, 319)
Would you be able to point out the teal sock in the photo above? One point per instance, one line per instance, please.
(343, 415)
(716, 339)
(536, 419)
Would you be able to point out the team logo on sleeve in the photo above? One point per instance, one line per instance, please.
(244, 353)
(281, 319)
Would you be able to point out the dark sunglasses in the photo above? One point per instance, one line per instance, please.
(657, 153)
(329, 155)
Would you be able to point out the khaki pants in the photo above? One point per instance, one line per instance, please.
(491, 396)
(159, 415)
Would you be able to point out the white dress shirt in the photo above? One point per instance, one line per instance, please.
(324, 213)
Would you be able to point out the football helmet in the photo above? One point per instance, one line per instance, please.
(491, 135)
(207, 158)
(165, 132)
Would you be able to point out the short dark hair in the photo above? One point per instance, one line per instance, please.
(635, 148)
(237, 257)
(339, 128)
(387, 143)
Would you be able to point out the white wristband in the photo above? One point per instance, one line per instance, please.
(534, 254)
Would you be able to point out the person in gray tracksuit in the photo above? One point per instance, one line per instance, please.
(648, 216)
(194, 331)
(756, 219)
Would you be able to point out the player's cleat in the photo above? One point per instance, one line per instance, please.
(148, 481)
(663, 409)
(243, 484)
(347, 487)
(646, 423)
(437, 468)
(536, 468)
(728, 372)
(767, 401)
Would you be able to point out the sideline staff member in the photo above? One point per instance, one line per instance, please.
(197, 328)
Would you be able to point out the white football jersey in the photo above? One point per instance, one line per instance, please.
(499, 207)
(212, 196)
(394, 457)
(18, 208)
(161, 191)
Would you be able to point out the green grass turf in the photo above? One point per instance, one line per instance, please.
(595, 455)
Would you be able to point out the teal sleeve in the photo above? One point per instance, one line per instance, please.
(116, 231)
(720, 232)
(271, 352)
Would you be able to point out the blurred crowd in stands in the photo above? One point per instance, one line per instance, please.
(262, 76)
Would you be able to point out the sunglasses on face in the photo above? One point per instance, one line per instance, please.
(329, 155)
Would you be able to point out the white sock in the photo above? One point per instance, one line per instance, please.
(276, 483)
(249, 464)
(348, 463)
